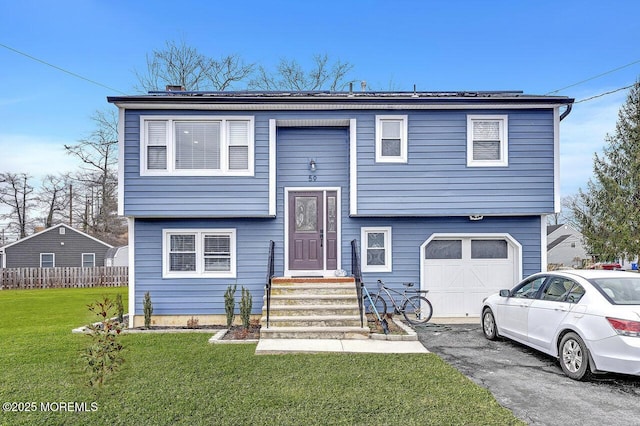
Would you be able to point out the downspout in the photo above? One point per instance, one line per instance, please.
(566, 111)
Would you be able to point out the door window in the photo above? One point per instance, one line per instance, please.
(528, 289)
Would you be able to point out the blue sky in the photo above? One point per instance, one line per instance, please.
(535, 46)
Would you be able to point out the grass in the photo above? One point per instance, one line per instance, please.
(181, 379)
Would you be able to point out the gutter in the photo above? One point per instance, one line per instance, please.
(566, 111)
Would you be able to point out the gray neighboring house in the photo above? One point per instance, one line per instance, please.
(58, 246)
(117, 256)
(565, 247)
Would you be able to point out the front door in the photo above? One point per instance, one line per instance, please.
(313, 231)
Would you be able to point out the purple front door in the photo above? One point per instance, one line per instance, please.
(312, 230)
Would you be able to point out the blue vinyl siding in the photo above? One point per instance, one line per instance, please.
(434, 182)
(194, 296)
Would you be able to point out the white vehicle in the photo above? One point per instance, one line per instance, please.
(588, 319)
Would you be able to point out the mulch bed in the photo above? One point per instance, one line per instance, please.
(237, 332)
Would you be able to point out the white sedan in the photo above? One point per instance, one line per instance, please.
(588, 319)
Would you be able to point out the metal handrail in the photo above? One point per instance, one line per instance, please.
(270, 274)
(356, 272)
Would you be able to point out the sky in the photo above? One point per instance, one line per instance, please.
(579, 49)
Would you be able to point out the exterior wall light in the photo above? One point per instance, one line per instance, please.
(312, 165)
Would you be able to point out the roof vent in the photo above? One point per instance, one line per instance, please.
(171, 88)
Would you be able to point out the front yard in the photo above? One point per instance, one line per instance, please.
(181, 379)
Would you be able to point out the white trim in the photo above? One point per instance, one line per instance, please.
(353, 167)
(503, 121)
(324, 271)
(121, 149)
(388, 244)
(328, 107)
(507, 236)
(54, 260)
(131, 227)
(272, 166)
(199, 233)
(404, 142)
(82, 260)
(223, 170)
(55, 227)
(556, 161)
(543, 243)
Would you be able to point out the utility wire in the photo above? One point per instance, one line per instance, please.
(61, 69)
(596, 76)
(604, 94)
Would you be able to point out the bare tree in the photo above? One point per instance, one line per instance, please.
(54, 198)
(97, 179)
(179, 64)
(17, 193)
(291, 75)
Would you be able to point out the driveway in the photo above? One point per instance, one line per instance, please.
(531, 384)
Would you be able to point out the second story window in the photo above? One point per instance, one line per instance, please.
(196, 146)
(391, 139)
(487, 141)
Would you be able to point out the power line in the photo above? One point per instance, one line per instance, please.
(596, 76)
(604, 94)
(61, 69)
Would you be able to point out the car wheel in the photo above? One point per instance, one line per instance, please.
(489, 325)
(574, 357)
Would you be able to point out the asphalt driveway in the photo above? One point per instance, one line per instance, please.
(532, 384)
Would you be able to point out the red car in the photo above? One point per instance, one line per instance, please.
(607, 266)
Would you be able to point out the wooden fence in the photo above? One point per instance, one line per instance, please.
(32, 278)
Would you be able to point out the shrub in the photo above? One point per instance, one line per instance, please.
(119, 308)
(148, 309)
(103, 356)
(246, 303)
(230, 304)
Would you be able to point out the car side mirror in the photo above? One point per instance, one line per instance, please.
(505, 293)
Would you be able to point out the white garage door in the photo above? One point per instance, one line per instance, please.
(461, 271)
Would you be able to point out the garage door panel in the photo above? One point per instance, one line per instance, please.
(458, 286)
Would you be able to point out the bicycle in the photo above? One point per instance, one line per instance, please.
(416, 309)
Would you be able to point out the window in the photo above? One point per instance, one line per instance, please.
(391, 139)
(61, 230)
(47, 260)
(199, 146)
(489, 249)
(529, 289)
(444, 249)
(88, 260)
(487, 142)
(376, 249)
(199, 253)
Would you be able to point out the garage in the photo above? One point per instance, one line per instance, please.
(460, 270)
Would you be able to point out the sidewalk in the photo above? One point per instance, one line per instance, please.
(282, 346)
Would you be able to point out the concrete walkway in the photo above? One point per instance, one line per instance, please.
(282, 346)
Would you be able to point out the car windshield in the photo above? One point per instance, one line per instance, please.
(619, 291)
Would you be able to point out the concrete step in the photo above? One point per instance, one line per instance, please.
(312, 299)
(314, 332)
(301, 289)
(313, 321)
(306, 310)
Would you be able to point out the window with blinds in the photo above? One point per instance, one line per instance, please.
(391, 139)
(199, 253)
(487, 141)
(189, 146)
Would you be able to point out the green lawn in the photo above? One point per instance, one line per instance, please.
(181, 379)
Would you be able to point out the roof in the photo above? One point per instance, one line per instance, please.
(442, 99)
(51, 229)
(552, 228)
(557, 241)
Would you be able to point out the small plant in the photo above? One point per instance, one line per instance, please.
(193, 322)
(119, 308)
(230, 304)
(103, 356)
(246, 303)
(148, 309)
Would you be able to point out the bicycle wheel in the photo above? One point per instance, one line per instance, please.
(378, 302)
(417, 310)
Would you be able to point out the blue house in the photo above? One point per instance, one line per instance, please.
(447, 190)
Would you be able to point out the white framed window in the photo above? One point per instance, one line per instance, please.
(376, 249)
(487, 141)
(199, 253)
(47, 260)
(88, 260)
(391, 139)
(196, 146)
